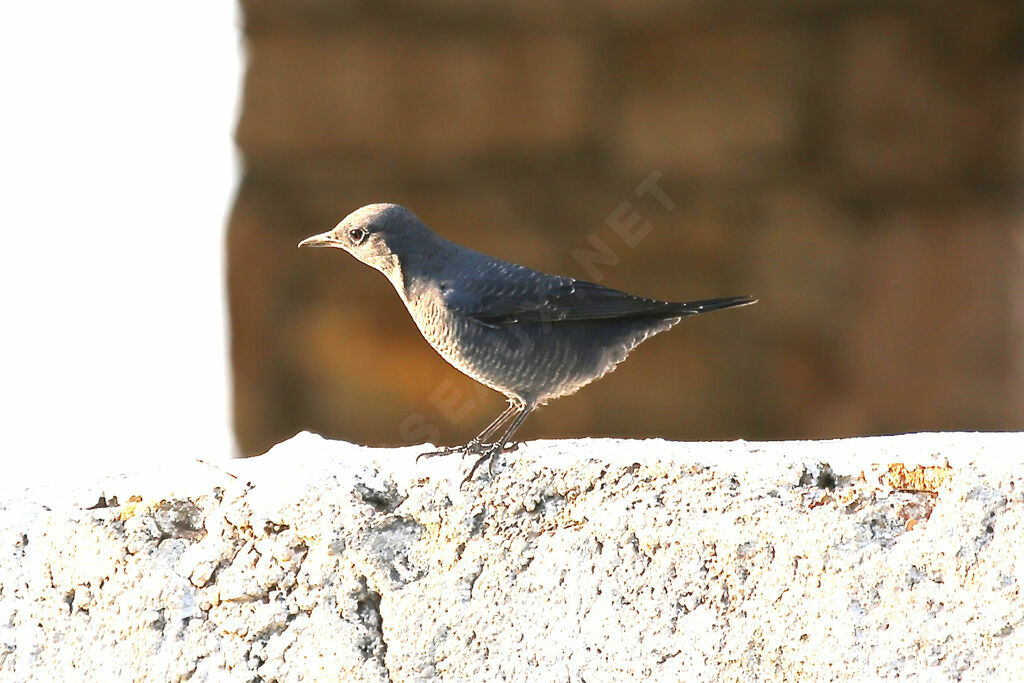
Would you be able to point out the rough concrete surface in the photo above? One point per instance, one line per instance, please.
(591, 560)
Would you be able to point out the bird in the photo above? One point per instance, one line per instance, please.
(531, 336)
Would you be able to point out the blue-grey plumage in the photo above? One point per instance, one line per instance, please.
(529, 335)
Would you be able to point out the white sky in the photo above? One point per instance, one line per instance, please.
(118, 170)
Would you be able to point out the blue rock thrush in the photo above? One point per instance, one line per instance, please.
(532, 336)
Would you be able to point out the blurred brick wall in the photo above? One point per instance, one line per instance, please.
(852, 164)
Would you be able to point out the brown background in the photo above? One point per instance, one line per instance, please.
(853, 164)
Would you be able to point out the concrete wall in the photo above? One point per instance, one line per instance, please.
(588, 560)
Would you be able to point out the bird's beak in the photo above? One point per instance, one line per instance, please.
(324, 240)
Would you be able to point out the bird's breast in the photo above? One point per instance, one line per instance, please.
(491, 355)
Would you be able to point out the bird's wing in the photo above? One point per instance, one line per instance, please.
(517, 294)
(500, 293)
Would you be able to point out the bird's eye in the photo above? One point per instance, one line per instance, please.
(357, 235)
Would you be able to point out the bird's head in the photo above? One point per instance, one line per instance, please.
(379, 235)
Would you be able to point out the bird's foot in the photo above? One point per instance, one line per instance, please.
(487, 453)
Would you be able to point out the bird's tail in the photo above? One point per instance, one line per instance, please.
(708, 305)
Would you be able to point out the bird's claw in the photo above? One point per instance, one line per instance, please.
(487, 453)
(444, 451)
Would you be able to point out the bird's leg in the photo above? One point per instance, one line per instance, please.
(474, 445)
(492, 449)
(482, 437)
